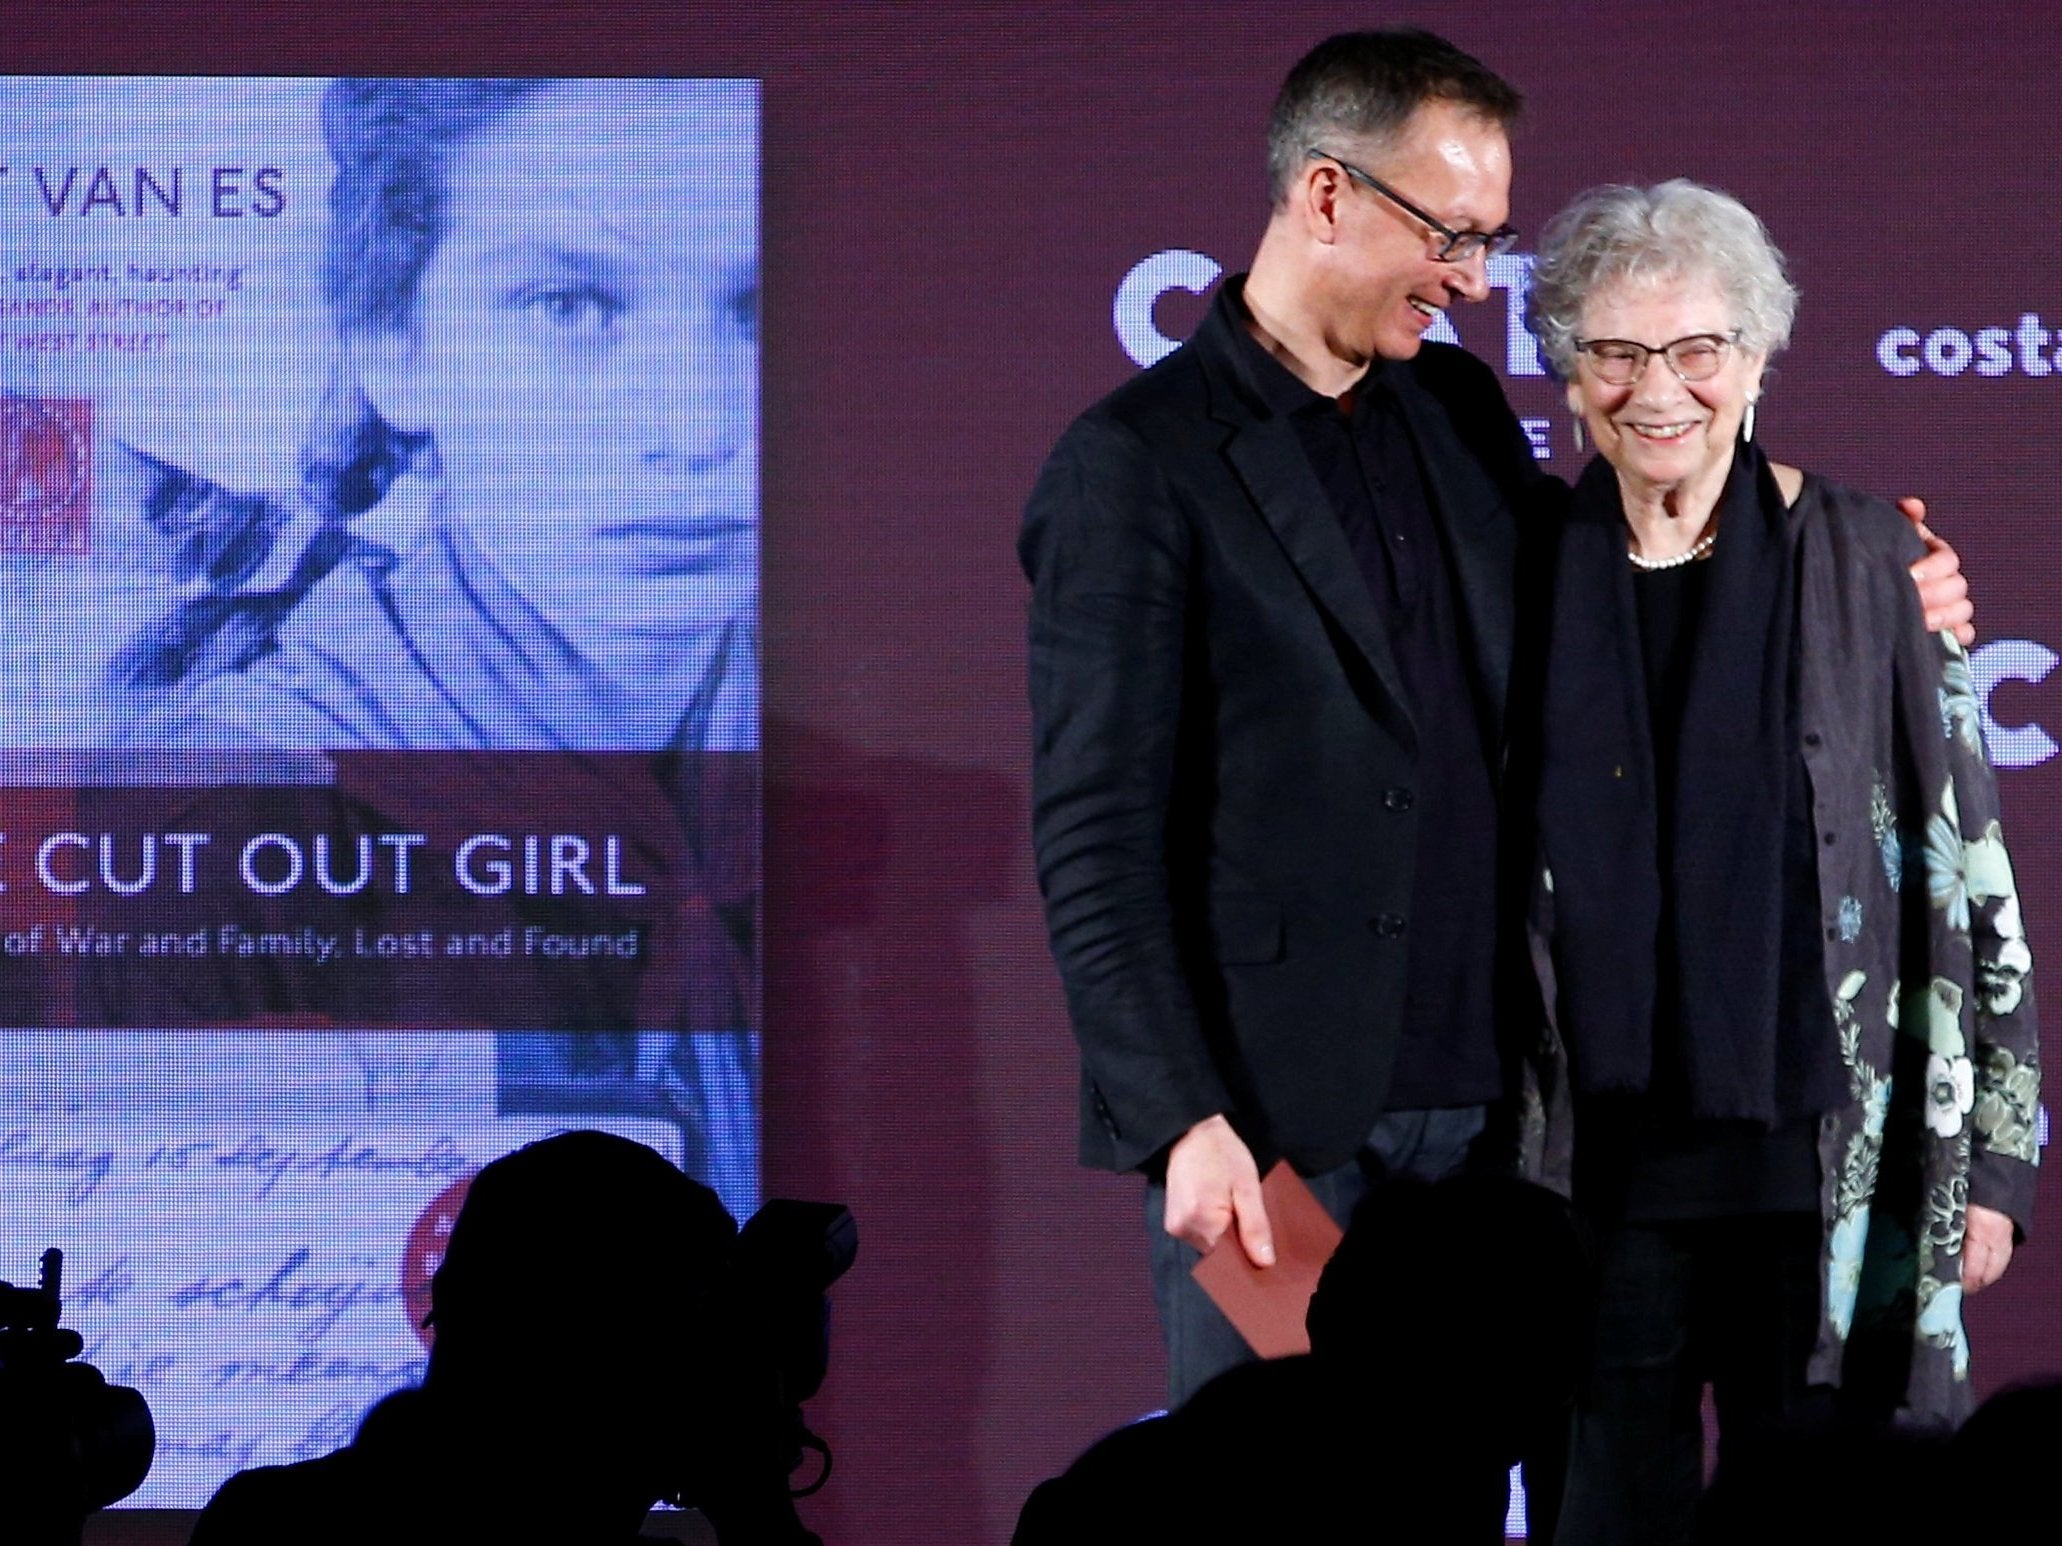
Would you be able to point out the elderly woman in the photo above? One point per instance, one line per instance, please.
(1781, 945)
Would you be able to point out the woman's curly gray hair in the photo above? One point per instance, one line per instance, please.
(1676, 229)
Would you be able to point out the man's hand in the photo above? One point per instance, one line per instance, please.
(1943, 592)
(1986, 1248)
(1213, 1185)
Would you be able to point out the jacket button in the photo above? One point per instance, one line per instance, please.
(1102, 1111)
(1811, 738)
(1399, 799)
(1389, 925)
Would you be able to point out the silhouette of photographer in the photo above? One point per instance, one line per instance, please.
(594, 1352)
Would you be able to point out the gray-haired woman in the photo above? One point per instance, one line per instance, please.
(1782, 945)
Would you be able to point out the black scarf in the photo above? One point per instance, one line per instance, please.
(1739, 955)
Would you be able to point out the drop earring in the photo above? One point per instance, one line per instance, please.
(1579, 446)
(1747, 423)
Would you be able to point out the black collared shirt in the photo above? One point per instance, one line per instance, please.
(1362, 451)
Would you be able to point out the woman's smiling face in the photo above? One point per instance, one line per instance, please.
(1659, 430)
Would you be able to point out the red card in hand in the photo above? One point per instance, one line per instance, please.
(1267, 1304)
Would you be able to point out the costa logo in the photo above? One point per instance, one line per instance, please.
(1178, 268)
(2027, 348)
(2012, 660)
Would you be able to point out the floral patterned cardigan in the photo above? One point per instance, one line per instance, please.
(1926, 964)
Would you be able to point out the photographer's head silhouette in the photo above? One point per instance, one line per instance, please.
(603, 1338)
(572, 1314)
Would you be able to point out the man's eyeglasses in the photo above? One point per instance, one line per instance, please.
(1454, 246)
(1621, 362)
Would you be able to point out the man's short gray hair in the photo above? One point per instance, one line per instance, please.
(1674, 230)
(1353, 94)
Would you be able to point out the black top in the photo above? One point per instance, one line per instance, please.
(1647, 1155)
(1361, 450)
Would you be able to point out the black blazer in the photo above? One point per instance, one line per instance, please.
(1222, 758)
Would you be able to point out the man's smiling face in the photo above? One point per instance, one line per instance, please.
(1388, 287)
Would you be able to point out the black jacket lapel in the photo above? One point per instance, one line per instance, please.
(1270, 461)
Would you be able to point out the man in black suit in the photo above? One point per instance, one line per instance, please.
(1271, 635)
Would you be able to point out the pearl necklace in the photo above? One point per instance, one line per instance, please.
(1700, 549)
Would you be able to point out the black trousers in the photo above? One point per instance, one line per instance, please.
(1731, 1302)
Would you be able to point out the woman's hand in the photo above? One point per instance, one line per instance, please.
(1986, 1248)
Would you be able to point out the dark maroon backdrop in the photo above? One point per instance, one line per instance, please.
(952, 194)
